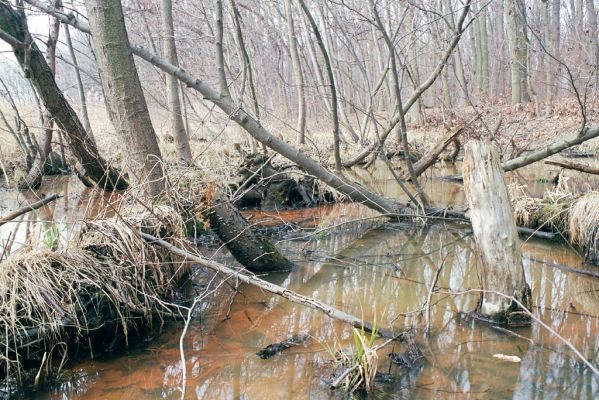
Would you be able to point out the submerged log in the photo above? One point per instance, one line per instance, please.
(495, 235)
(247, 245)
(276, 348)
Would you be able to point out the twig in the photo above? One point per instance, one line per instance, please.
(430, 295)
(182, 350)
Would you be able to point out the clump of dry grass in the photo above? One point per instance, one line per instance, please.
(584, 225)
(550, 212)
(106, 278)
(575, 217)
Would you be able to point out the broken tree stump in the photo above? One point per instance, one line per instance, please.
(252, 249)
(494, 227)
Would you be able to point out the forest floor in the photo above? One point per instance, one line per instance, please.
(218, 144)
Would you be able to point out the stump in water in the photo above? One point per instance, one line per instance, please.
(248, 246)
(495, 234)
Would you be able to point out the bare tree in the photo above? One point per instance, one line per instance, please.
(169, 50)
(123, 88)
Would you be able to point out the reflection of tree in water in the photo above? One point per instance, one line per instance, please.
(373, 273)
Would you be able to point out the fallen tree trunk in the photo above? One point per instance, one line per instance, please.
(492, 218)
(431, 157)
(23, 210)
(248, 246)
(553, 148)
(272, 288)
(575, 166)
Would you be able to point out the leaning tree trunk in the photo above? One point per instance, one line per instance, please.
(36, 68)
(123, 88)
(495, 234)
(248, 246)
(82, 101)
(34, 177)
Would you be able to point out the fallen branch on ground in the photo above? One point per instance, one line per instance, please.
(31, 207)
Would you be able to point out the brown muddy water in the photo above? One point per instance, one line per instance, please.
(368, 268)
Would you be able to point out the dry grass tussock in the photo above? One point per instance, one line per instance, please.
(107, 279)
(576, 217)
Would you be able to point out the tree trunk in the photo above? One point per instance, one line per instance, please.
(515, 70)
(492, 217)
(81, 89)
(431, 157)
(169, 50)
(248, 246)
(299, 77)
(575, 166)
(331, 77)
(123, 88)
(34, 177)
(40, 74)
(484, 50)
(594, 35)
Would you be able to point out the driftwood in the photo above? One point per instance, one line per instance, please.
(23, 210)
(248, 246)
(575, 166)
(271, 287)
(495, 235)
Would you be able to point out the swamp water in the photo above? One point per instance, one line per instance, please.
(378, 271)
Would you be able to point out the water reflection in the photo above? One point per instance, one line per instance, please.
(369, 269)
(380, 273)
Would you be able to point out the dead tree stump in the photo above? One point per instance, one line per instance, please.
(498, 247)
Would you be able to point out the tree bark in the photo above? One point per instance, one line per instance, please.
(512, 34)
(36, 66)
(431, 157)
(169, 50)
(492, 218)
(122, 86)
(248, 246)
(594, 35)
(220, 59)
